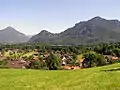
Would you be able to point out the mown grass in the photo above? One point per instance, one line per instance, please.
(85, 79)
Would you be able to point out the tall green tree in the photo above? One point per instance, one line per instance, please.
(53, 62)
(93, 59)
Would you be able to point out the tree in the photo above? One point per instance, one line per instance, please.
(100, 60)
(117, 52)
(73, 59)
(93, 59)
(53, 62)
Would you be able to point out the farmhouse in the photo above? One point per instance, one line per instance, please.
(111, 57)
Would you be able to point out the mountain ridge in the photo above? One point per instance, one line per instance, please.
(94, 30)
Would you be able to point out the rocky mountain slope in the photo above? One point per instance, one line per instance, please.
(95, 30)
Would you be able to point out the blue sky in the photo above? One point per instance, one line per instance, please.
(31, 16)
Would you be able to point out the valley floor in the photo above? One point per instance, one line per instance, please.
(98, 78)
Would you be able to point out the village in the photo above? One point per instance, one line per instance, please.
(35, 59)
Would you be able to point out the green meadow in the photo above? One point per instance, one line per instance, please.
(98, 78)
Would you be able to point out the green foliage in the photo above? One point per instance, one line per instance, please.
(53, 62)
(93, 59)
(73, 59)
(36, 64)
(3, 63)
(116, 52)
(93, 53)
(100, 60)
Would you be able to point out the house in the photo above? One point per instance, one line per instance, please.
(81, 61)
(35, 58)
(70, 67)
(46, 55)
(64, 61)
(111, 57)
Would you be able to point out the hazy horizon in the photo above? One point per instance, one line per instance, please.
(32, 16)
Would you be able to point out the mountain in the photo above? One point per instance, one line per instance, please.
(95, 30)
(10, 35)
(44, 37)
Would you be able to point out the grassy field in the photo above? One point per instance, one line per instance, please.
(29, 54)
(85, 79)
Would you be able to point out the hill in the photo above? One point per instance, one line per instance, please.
(95, 30)
(101, 78)
(10, 35)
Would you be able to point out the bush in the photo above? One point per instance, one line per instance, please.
(93, 59)
(36, 64)
(53, 62)
(3, 63)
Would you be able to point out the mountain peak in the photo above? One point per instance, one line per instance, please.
(10, 28)
(44, 31)
(11, 35)
(97, 18)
